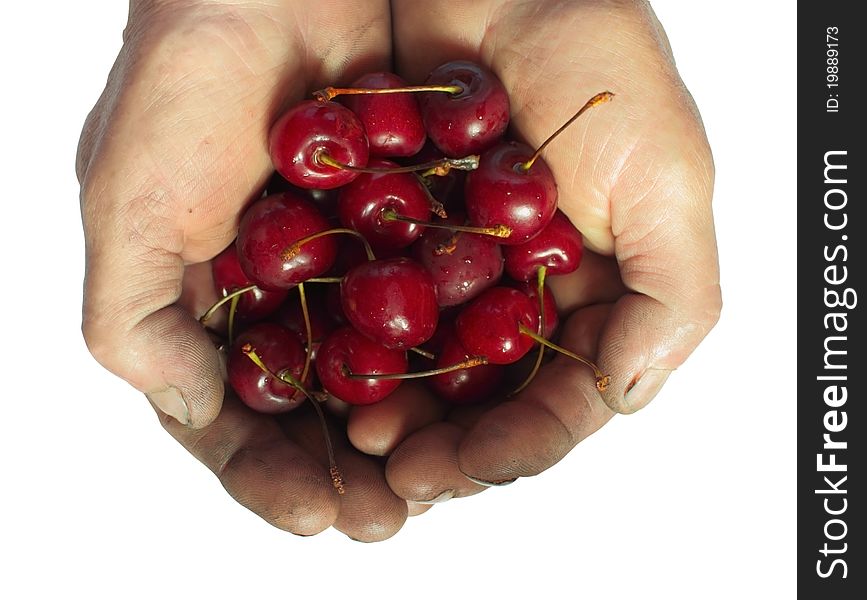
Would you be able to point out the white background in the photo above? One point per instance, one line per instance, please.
(694, 497)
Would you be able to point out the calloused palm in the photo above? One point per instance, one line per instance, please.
(635, 176)
(174, 149)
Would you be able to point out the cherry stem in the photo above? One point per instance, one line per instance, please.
(540, 292)
(329, 93)
(424, 353)
(308, 328)
(233, 308)
(473, 361)
(324, 280)
(227, 298)
(292, 251)
(441, 166)
(601, 378)
(436, 207)
(596, 100)
(500, 231)
(286, 377)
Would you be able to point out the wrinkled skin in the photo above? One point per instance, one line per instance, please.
(177, 146)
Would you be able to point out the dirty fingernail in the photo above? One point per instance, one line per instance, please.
(446, 495)
(644, 390)
(171, 402)
(486, 483)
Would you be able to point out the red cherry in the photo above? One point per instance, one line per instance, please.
(463, 265)
(559, 247)
(280, 350)
(471, 121)
(464, 386)
(310, 130)
(346, 351)
(392, 121)
(489, 325)
(362, 201)
(228, 277)
(392, 301)
(271, 225)
(291, 316)
(501, 192)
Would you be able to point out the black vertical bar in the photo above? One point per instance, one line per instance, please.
(832, 436)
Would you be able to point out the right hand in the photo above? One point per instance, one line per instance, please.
(174, 149)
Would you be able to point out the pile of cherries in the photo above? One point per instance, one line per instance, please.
(378, 251)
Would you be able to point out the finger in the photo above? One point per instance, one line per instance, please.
(262, 469)
(378, 428)
(665, 245)
(424, 467)
(530, 433)
(369, 510)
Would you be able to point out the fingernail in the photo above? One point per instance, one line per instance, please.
(171, 402)
(446, 495)
(643, 391)
(501, 483)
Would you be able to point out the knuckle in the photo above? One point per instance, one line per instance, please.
(100, 337)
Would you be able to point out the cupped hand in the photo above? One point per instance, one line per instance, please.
(174, 149)
(635, 176)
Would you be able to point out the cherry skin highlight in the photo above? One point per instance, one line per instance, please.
(471, 121)
(391, 301)
(392, 121)
(228, 277)
(346, 351)
(501, 192)
(310, 129)
(489, 325)
(559, 247)
(462, 266)
(362, 202)
(280, 350)
(271, 225)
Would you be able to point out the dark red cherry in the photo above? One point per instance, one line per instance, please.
(228, 277)
(552, 318)
(310, 130)
(269, 227)
(471, 121)
(464, 386)
(463, 265)
(558, 246)
(291, 316)
(391, 301)
(346, 351)
(334, 305)
(363, 201)
(489, 325)
(280, 350)
(392, 121)
(500, 192)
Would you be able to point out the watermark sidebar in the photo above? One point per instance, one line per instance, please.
(832, 362)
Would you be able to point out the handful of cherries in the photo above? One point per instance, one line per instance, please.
(381, 243)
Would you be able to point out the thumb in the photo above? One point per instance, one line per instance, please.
(131, 322)
(666, 248)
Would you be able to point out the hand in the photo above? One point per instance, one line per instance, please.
(635, 176)
(174, 149)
